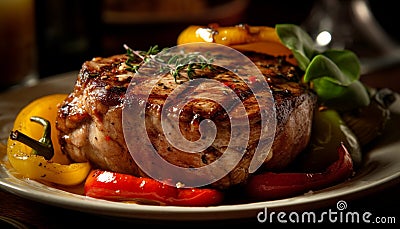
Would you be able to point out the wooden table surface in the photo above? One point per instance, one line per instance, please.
(31, 214)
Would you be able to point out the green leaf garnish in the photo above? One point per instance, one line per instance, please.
(334, 74)
(346, 61)
(298, 41)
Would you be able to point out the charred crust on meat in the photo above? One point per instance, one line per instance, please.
(112, 96)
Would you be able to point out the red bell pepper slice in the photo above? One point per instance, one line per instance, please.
(123, 187)
(270, 185)
(198, 197)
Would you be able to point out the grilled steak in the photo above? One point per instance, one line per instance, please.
(90, 119)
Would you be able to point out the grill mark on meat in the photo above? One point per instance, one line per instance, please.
(93, 112)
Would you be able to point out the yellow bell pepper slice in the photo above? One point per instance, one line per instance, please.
(229, 35)
(58, 170)
(262, 39)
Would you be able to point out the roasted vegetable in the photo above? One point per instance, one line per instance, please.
(242, 37)
(328, 131)
(43, 146)
(124, 187)
(25, 154)
(269, 185)
(368, 122)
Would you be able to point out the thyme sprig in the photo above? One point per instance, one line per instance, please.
(144, 56)
(175, 63)
(189, 62)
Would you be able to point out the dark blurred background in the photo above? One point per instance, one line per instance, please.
(72, 31)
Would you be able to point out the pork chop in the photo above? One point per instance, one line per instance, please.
(90, 127)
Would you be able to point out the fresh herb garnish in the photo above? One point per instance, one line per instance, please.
(175, 63)
(188, 62)
(333, 74)
(144, 56)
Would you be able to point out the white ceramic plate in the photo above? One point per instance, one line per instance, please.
(382, 167)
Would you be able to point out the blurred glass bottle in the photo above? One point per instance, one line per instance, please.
(351, 24)
(348, 24)
(17, 43)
